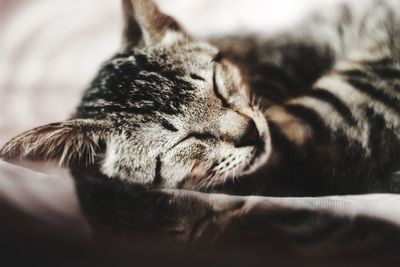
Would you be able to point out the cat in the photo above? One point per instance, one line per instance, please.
(312, 111)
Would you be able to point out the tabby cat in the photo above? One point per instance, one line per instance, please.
(312, 111)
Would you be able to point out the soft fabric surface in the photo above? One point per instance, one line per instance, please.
(50, 51)
(40, 214)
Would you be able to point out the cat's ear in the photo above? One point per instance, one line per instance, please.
(145, 25)
(76, 141)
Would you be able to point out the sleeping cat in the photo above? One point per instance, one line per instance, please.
(312, 111)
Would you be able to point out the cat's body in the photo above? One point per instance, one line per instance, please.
(332, 99)
(169, 111)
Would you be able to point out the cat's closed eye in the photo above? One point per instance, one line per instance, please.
(200, 136)
(194, 76)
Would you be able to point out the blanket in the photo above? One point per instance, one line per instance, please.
(40, 213)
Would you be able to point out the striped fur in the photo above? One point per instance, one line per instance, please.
(321, 115)
(332, 100)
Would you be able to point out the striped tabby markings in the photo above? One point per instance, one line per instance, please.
(373, 92)
(337, 104)
(381, 62)
(355, 88)
(157, 172)
(377, 126)
(382, 68)
(386, 72)
(313, 113)
(321, 108)
(371, 72)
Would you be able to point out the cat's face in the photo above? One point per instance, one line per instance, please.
(183, 116)
(174, 112)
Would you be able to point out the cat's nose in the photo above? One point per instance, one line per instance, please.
(237, 128)
(249, 137)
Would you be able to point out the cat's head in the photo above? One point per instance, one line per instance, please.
(166, 110)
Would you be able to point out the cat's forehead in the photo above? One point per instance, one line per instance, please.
(147, 82)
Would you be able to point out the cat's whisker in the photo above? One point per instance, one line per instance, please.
(205, 183)
(234, 178)
(224, 180)
(209, 184)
